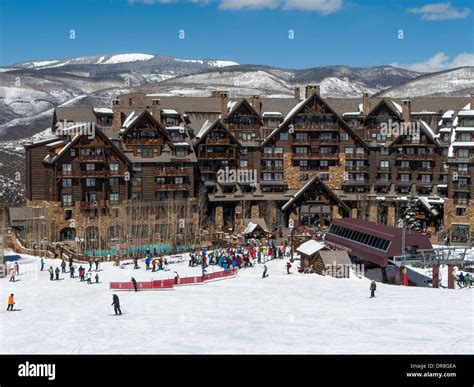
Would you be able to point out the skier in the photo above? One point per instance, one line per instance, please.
(461, 280)
(90, 264)
(57, 271)
(373, 288)
(42, 264)
(11, 302)
(71, 272)
(116, 304)
(176, 277)
(63, 266)
(96, 263)
(12, 274)
(17, 268)
(153, 264)
(81, 273)
(97, 278)
(51, 273)
(134, 282)
(135, 261)
(89, 278)
(288, 267)
(147, 263)
(264, 275)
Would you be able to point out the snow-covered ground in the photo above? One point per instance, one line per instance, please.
(280, 314)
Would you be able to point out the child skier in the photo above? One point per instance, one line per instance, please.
(11, 302)
(288, 267)
(42, 264)
(97, 278)
(51, 273)
(57, 271)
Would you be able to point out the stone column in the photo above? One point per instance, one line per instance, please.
(255, 211)
(391, 214)
(354, 213)
(239, 219)
(219, 218)
(373, 211)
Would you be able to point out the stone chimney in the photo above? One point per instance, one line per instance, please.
(312, 89)
(224, 101)
(116, 121)
(406, 110)
(472, 102)
(215, 93)
(156, 109)
(365, 103)
(256, 103)
(297, 93)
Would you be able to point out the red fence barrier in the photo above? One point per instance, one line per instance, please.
(169, 283)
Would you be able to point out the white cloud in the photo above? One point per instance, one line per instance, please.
(248, 4)
(440, 11)
(323, 6)
(440, 61)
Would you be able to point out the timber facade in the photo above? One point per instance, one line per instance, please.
(155, 167)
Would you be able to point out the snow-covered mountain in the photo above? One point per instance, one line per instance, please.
(459, 81)
(30, 90)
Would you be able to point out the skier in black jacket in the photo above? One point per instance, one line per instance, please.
(134, 282)
(373, 288)
(264, 275)
(116, 304)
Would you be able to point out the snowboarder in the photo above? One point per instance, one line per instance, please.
(134, 282)
(11, 302)
(51, 273)
(63, 266)
(97, 278)
(57, 271)
(288, 267)
(116, 304)
(373, 288)
(264, 275)
(42, 264)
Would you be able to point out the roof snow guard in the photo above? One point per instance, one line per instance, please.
(376, 243)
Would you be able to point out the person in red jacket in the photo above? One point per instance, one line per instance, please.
(288, 267)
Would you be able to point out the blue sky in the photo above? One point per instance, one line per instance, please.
(436, 35)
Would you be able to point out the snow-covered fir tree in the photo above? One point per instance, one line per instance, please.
(411, 214)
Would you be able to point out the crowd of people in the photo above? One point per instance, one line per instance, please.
(464, 280)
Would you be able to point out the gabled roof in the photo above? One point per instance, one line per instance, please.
(425, 128)
(301, 105)
(76, 138)
(209, 127)
(235, 107)
(310, 247)
(315, 180)
(390, 105)
(134, 117)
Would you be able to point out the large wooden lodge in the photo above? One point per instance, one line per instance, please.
(155, 162)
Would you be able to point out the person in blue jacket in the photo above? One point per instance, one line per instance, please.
(147, 263)
(57, 271)
(42, 264)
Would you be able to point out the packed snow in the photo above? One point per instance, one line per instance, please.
(125, 58)
(297, 313)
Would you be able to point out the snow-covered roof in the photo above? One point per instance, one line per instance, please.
(448, 114)
(103, 111)
(204, 128)
(424, 200)
(272, 114)
(180, 144)
(445, 130)
(250, 228)
(310, 247)
(399, 108)
(169, 111)
(466, 113)
(463, 143)
(129, 119)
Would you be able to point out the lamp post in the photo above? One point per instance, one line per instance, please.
(291, 225)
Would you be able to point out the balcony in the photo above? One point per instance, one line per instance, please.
(216, 155)
(66, 173)
(364, 168)
(310, 126)
(92, 158)
(170, 172)
(416, 156)
(217, 141)
(316, 156)
(356, 156)
(144, 141)
(353, 182)
(461, 187)
(95, 204)
(172, 187)
(267, 156)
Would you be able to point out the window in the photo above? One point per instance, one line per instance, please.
(384, 151)
(461, 198)
(278, 149)
(324, 176)
(405, 177)
(267, 176)
(405, 164)
(66, 199)
(301, 136)
(303, 163)
(301, 149)
(344, 136)
(160, 180)
(384, 163)
(462, 152)
(67, 183)
(179, 180)
(67, 168)
(114, 197)
(114, 181)
(279, 176)
(247, 136)
(465, 137)
(426, 178)
(267, 149)
(136, 196)
(360, 150)
(348, 149)
(114, 167)
(180, 151)
(136, 167)
(146, 151)
(324, 163)
(384, 177)
(243, 163)
(284, 136)
(463, 167)
(303, 176)
(461, 211)
(90, 182)
(90, 167)
(73, 152)
(426, 165)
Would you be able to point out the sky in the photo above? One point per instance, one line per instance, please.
(418, 35)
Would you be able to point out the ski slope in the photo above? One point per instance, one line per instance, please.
(280, 314)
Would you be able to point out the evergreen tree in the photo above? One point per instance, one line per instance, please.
(411, 214)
